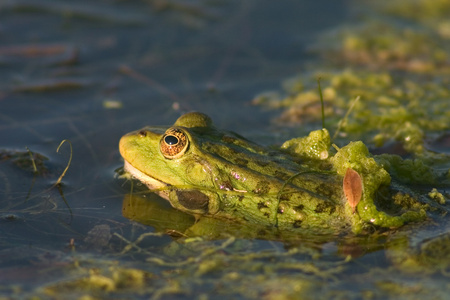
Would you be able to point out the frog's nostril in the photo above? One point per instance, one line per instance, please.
(143, 133)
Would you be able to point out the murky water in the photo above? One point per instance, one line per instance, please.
(89, 72)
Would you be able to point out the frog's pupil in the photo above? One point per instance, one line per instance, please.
(171, 140)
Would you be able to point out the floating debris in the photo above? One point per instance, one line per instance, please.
(352, 188)
(51, 86)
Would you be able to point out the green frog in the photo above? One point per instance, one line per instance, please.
(207, 172)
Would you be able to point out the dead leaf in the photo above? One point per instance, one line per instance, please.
(352, 188)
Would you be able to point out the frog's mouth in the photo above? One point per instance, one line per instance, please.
(150, 182)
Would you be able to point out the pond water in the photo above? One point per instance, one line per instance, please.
(90, 71)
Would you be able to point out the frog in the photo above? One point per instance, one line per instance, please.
(212, 173)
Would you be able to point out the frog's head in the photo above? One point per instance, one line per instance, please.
(165, 157)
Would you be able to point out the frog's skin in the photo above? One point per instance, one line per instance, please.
(207, 172)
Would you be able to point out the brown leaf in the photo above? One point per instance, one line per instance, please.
(352, 188)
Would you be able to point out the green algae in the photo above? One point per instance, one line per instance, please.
(98, 282)
(373, 172)
(26, 160)
(408, 171)
(394, 35)
(399, 70)
(381, 45)
(390, 109)
(437, 196)
(356, 156)
(431, 13)
(314, 146)
(247, 268)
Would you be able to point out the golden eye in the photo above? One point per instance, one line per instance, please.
(173, 143)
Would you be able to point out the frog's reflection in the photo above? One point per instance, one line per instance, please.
(149, 209)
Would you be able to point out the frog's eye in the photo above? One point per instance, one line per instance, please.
(173, 143)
